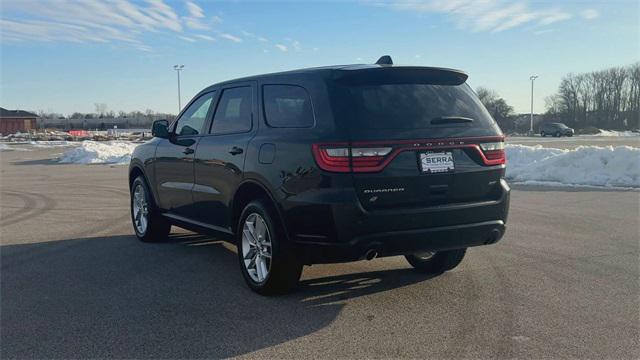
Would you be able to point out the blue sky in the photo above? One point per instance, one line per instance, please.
(66, 55)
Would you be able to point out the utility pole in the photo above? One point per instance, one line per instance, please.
(532, 78)
(178, 68)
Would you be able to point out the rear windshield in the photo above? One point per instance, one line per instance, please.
(415, 106)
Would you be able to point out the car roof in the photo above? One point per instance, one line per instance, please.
(332, 70)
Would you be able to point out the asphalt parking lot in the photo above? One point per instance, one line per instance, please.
(75, 283)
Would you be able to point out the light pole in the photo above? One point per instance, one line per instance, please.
(178, 68)
(532, 78)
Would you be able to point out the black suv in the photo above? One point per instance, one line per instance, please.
(555, 129)
(328, 164)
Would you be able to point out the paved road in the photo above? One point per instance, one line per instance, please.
(564, 282)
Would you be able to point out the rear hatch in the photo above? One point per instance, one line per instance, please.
(419, 137)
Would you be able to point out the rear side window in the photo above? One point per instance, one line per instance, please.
(414, 106)
(287, 106)
(233, 113)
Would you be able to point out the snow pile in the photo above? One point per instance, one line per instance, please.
(5, 147)
(51, 143)
(616, 133)
(585, 165)
(93, 152)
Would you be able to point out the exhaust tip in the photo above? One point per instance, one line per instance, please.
(496, 235)
(371, 254)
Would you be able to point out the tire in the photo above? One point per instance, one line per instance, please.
(438, 263)
(543, 134)
(557, 134)
(147, 222)
(266, 260)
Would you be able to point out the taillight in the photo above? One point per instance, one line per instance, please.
(374, 156)
(334, 159)
(342, 158)
(494, 153)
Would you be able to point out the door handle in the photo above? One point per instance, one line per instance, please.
(188, 151)
(235, 150)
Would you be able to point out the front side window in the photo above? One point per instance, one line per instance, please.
(233, 113)
(192, 120)
(287, 106)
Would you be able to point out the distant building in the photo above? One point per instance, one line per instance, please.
(13, 121)
(104, 123)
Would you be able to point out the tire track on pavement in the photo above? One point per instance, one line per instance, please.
(28, 204)
(31, 208)
(99, 229)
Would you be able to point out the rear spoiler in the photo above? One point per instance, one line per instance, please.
(386, 74)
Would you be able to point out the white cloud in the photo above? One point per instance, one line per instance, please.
(144, 48)
(540, 32)
(515, 20)
(482, 15)
(251, 35)
(50, 32)
(590, 14)
(281, 47)
(195, 10)
(197, 24)
(554, 17)
(293, 44)
(186, 38)
(163, 14)
(99, 21)
(136, 14)
(194, 20)
(230, 37)
(205, 37)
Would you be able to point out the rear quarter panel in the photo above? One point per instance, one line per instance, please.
(292, 178)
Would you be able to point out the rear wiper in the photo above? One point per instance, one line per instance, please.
(450, 120)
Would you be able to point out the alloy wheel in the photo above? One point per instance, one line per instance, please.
(140, 209)
(256, 247)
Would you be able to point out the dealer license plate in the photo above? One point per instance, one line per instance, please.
(436, 162)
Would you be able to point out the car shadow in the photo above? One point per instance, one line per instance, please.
(115, 297)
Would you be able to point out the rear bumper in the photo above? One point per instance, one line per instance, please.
(403, 242)
(352, 230)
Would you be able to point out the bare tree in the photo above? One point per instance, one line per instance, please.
(607, 99)
(497, 107)
(100, 108)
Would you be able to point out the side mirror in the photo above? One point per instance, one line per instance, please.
(160, 129)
